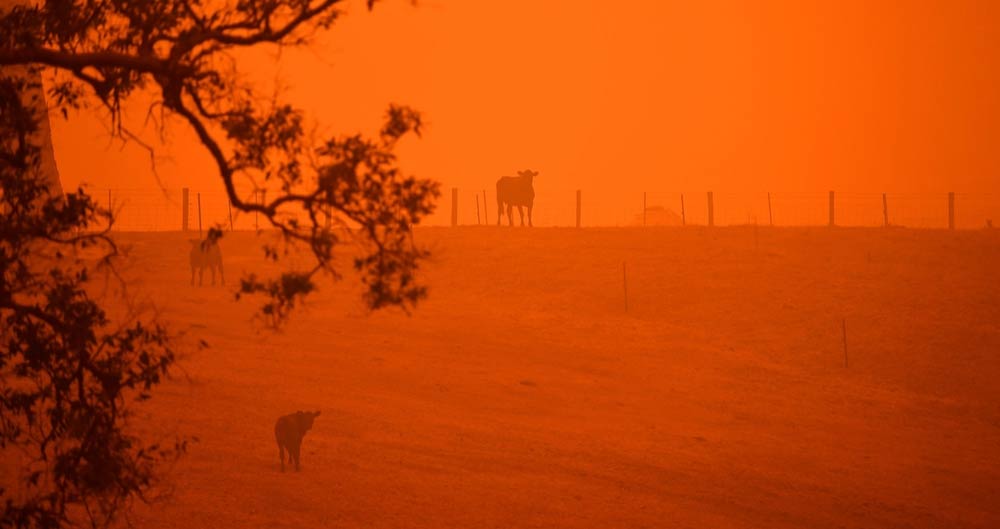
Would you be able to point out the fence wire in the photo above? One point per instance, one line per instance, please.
(163, 210)
(558, 207)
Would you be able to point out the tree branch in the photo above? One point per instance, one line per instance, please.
(99, 59)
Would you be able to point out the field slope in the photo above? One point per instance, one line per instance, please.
(522, 394)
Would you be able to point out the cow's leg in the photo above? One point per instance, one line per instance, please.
(201, 276)
(212, 269)
(499, 211)
(293, 453)
(510, 214)
(529, 215)
(281, 455)
(520, 211)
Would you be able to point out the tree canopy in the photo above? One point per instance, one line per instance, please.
(70, 371)
(180, 52)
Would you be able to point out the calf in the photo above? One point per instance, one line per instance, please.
(206, 254)
(289, 431)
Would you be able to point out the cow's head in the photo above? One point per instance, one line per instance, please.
(527, 174)
(214, 234)
(305, 419)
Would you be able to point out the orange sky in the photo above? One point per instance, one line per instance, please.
(645, 95)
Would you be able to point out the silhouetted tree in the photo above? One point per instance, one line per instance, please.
(67, 371)
(180, 52)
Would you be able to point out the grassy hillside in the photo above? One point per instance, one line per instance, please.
(522, 394)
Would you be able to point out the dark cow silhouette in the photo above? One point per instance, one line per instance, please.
(289, 431)
(516, 191)
(206, 254)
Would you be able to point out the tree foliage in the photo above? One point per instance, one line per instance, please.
(69, 371)
(182, 52)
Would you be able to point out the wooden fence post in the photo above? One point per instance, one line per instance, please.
(885, 211)
(478, 222)
(831, 209)
(262, 197)
(683, 216)
(625, 284)
(951, 210)
(770, 216)
(711, 209)
(454, 206)
(578, 198)
(184, 208)
(199, 215)
(486, 212)
(230, 204)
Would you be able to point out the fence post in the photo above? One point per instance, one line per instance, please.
(711, 209)
(770, 216)
(262, 198)
(486, 212)
(951, 210)
(683, 216)
(625, 284)
(885, 211)
(478, 222)
(184, 208)
(230, 203)
(578, 198)
(831, 209)
(454, 206)
(199, 215)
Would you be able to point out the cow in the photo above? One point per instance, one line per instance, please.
(289, 431)
(516, 191)
(206, 254)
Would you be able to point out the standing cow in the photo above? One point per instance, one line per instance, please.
(516, 191)
(206, 254)
(289, 431)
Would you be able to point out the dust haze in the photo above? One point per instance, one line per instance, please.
(638, 265)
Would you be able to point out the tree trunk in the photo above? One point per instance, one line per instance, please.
(35, 98)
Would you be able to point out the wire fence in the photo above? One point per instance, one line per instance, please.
(676, 208)
(164, 209)
(175, 209)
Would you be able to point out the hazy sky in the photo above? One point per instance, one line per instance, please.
(648, 94)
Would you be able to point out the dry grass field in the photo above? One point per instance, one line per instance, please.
(522, 394)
